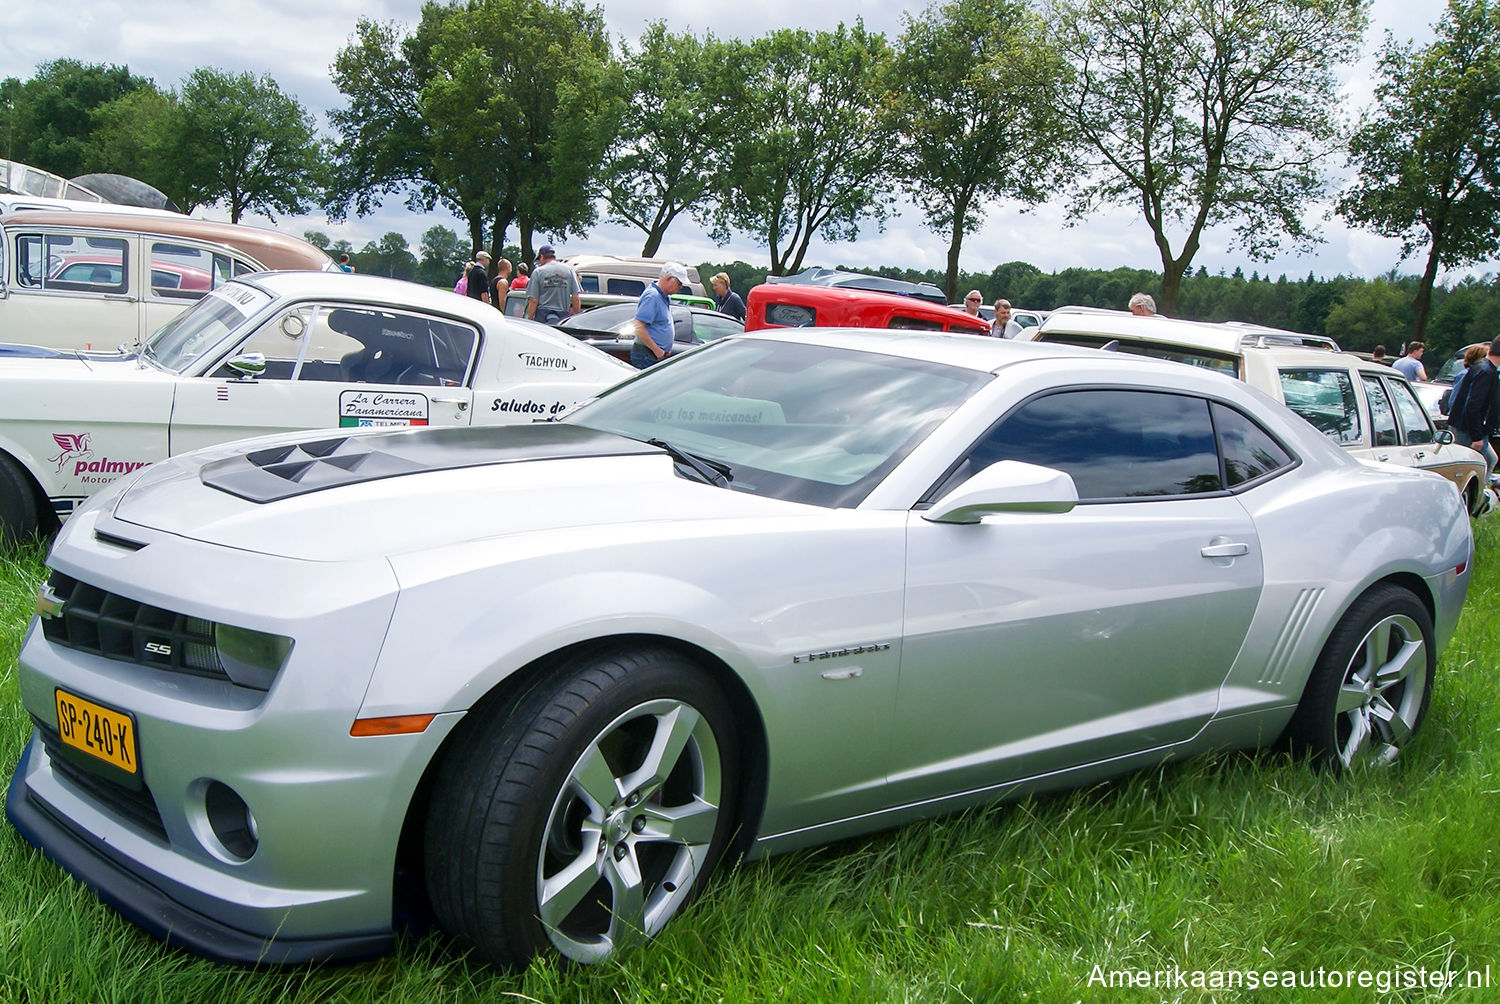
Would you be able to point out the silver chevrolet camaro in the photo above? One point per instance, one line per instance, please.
(535, 682)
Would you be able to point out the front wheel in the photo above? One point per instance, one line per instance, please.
(587, 816)
(20, 516)
(1370, 686)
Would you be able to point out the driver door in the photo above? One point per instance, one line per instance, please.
(328, 367)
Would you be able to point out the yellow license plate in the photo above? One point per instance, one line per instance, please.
(98, 731)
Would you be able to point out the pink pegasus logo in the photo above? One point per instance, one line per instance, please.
(72, 444)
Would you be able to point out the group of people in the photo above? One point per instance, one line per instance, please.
(478, 284)
(1474, 402)
(1003, 326)
(553, 293)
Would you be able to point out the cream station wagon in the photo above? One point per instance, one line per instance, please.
(95, 280)
(275, 352)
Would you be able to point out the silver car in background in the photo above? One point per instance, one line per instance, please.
(780, 590)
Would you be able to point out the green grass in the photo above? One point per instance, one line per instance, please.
(1236, 862)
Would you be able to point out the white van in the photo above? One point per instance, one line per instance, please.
(623, 275)
(96, 280)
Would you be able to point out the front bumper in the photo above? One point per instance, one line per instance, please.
(326, 808)
(90, 861)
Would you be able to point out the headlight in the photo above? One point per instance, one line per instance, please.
(251, 658)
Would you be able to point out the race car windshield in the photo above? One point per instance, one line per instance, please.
(805, 423)
(192, 333)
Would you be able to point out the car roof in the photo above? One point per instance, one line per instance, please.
(968, 351)
(272, 249)
(1123, 324)
(373, 289)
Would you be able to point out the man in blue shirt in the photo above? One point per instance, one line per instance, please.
(653, 317)
(1410, 365)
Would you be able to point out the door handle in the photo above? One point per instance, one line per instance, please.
(1223, 547)
(1419, 454)
(462, 403)
(1383, 457)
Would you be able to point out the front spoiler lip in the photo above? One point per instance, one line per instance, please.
(146, 906)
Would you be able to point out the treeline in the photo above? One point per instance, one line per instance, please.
(525, 118)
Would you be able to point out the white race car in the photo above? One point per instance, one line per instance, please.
(782, 589)
(269, 353)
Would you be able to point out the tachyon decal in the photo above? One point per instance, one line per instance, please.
(364, 408)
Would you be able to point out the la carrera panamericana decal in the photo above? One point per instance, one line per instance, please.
(364, 408)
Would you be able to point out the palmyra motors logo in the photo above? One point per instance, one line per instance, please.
(73, 444)
(78, 449)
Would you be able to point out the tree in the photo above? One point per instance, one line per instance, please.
(51, 117)
(391, 257)
(813, 154)
(674, 135)
(975, 88)
(443, 255)
(243, 142)
(1207, 112)
(137, 135)
(1428, 153)
(460, 112)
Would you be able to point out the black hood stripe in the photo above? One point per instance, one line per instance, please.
(284, 472)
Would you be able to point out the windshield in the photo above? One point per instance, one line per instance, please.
(1202, 358)
(805, 423)
(196, 331)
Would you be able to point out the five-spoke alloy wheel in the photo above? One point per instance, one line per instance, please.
(588, 813)
(1370, 686)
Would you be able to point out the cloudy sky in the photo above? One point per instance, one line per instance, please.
(295, 42)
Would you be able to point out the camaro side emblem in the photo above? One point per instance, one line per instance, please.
(837, 653)
(158, 648)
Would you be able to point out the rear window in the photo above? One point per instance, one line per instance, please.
(791, 315)
(1326, 399)
(1202, 358)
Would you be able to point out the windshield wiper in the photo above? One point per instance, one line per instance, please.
(710, 472)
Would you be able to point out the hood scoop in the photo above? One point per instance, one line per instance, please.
(288, 471)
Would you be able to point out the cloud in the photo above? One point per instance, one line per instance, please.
(295, 42)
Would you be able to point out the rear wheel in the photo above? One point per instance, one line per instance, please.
(1370, 686)
(20, 515)
(586, 816)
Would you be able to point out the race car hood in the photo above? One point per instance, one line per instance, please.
(346, 497)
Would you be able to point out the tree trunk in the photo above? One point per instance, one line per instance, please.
(955, 245)
(1171, 285)
(1421, 304)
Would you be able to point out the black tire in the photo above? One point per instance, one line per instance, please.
(513, 811)
(1369, 689)
(20, 515)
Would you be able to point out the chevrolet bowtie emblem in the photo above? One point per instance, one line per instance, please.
(48, 603)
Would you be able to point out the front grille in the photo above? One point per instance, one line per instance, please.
(137, 808)
(117, 627)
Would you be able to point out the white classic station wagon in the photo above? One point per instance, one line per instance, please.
(275, 352)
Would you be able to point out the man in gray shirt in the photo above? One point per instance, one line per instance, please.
(552, 293)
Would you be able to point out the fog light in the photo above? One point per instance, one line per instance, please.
(230, 819)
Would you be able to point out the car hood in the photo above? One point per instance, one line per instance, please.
(355, 496)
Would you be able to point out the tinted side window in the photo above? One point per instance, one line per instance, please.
(589, 283)
(1249, 451)
(1382, 415)
(914, 323)
(1414, 420)
(625, 287)
(1326, 399)
(1114, 443)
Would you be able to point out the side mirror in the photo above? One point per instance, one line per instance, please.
(1008, 486)
(1444, 437)
(248, 366)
